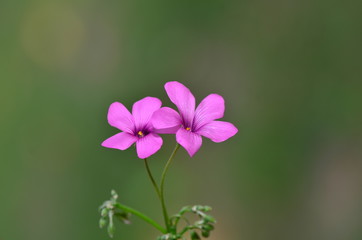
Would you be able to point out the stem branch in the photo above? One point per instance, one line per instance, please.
(140, 215)
(152, 179)
(165, 214)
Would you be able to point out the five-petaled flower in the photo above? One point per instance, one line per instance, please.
(136, 127)
(191, 124)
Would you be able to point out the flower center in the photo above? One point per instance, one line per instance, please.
(140, 133)
(188, 129)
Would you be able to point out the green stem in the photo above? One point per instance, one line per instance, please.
(181, 217)
(165, 214)
(186, 229)
(140, 215)
(152, 179)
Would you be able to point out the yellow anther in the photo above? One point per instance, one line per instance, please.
(140, 133)
(188, 129)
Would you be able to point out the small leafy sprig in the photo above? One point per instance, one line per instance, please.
(205, 225)
(111, 209)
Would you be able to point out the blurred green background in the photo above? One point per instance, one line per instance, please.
(290, 72)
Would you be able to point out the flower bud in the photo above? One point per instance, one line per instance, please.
(114, 194)
(102, 222)
(104, 212)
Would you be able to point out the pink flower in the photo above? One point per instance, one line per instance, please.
(136, 127)
(191, 124)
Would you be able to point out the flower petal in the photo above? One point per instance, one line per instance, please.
(120, 117)
(189, 140)
(120, 141)
(166, 120)
(148, 145)
(218, 131)
(171, 130)
(183, 99)
(211, 108)
(143, 109)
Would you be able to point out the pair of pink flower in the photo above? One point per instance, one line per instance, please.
(148, 120)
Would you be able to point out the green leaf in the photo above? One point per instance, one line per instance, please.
(185, 209)
(123, 217)
(111, 229)
(208, 227)
(205, 233)
(194, 236)
(209, 218)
